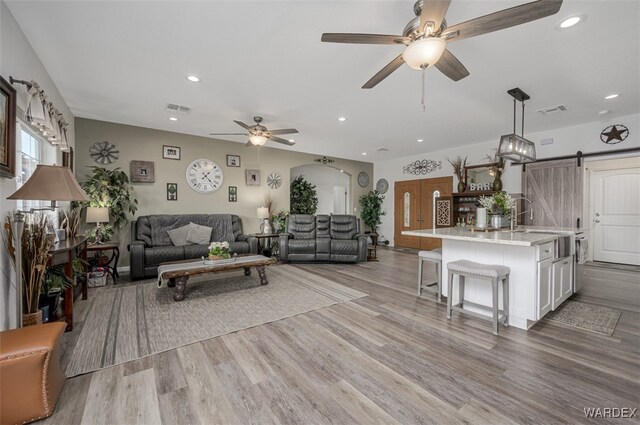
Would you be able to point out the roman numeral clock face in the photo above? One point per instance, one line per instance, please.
(204, 176)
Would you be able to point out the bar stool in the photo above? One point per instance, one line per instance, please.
(435, 256)
(492, 273)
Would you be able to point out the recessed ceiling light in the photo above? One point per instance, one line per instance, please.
(291, 140)
(193, 78)
(364, 153)
(173, 119)
(420, 140)
(571, 21)
(342, 119)
(342, 171)
(611, 96)
(606, 111)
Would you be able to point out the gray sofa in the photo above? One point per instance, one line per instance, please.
(151, 245)
(323, 238)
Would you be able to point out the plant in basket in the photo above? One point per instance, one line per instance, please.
(219, 251)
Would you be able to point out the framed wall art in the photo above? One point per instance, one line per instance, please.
(142, 172)
(7, 129)
(170, 152)
(253, 177)
(233, 194)
(172, 191)
(233, 160)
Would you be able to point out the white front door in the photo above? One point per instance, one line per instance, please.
(616, 215)
(339, 200)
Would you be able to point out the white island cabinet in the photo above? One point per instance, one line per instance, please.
(539, 281)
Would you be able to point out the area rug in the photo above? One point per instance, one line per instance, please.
(131, 322)
(590, 317)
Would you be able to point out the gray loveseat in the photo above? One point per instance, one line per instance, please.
(151, 244)
(323, 238)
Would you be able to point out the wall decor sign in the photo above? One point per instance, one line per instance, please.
(142, 172)
(104, 153)
(422, 167)
(172, 191)
(614, 134)
(7, 129)
(253, 177)
(480, 186)
(233, 194)
(233, 160)
(170, 152)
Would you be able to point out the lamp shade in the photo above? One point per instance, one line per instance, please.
(97, 215)
(51, 183)
(424, 53)
(263, 212)
(516, 148)
(257, 139)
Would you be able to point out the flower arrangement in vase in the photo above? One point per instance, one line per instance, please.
(459, 166)
(219, 251)
(499, 205)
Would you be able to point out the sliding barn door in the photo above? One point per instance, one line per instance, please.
(555, 189)
(407, 208)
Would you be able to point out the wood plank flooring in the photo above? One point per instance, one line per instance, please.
(389, 358)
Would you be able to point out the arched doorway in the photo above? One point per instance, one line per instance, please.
(333, 187)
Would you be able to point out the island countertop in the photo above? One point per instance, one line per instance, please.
(520, 237)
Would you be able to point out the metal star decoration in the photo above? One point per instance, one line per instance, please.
(614, 134)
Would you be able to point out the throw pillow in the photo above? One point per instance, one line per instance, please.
(179, 236)
(200, 235)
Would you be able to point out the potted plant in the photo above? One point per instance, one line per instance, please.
(499, 206)
(55, 282)
(459, 165)
(279, 219)
(496, 170)
(304, 198)
(111, 189)
(219, 251)
(371, 210)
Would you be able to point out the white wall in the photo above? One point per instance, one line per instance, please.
(566, 141)
(325, 178)
(18, 59)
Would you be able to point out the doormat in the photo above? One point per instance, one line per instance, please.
(590, 317)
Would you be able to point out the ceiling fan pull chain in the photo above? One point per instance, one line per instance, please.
(423, 91)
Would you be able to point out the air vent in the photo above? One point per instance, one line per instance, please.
(382, 150)
(552, 109)
(178, 108)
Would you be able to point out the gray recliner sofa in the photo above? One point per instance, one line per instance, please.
(151, 245)
(323, 238)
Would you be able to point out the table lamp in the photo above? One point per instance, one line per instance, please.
(47, 183)
(263, 214)
(97, 215)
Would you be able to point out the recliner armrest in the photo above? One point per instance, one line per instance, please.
(136, 259)
(362, 247)
(283, 245)
(242, 238)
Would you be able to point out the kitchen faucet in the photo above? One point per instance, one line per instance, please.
(514, 211)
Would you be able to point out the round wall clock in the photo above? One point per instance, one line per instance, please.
(363, 179)
(204, 176)
(104, 152)
(382, 186)
(274, 180)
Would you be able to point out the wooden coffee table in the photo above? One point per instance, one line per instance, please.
(178, 278)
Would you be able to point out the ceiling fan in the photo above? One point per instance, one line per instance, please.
(426, 36)
(259, 134)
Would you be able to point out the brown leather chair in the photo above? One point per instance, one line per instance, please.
(31, 378)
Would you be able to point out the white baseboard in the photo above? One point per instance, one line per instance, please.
(124, 269)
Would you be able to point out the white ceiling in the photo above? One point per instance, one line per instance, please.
(122, 61)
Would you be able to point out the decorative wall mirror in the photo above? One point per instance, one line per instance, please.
(480, 177)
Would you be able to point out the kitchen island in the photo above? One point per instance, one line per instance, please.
(541, 262)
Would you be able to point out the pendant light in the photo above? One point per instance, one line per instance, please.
(513, 147)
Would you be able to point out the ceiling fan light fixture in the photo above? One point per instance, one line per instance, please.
(424, 53)
(257, 139)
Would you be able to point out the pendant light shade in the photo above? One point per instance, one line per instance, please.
(424, 53)
(513, 147)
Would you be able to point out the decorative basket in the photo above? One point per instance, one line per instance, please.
(97, 278)
(31, 319)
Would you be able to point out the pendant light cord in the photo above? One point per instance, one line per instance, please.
(522, 134)
(514, 115)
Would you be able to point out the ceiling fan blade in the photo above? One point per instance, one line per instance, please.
(503, 19)
(340, 37)
(241, 124)
(384, 72)
(450, 66)
(283, 141)
(433, 11)
(227, 134)
(284, 131)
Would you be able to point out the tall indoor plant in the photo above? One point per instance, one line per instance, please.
(111, 189)
(304, 198)
(371, 206)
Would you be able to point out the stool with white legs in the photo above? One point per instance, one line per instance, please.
(492, 273)
(435, 256)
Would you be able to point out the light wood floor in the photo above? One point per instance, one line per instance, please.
(387, 358)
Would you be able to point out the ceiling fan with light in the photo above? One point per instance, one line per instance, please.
(426, 36)
(259, 134)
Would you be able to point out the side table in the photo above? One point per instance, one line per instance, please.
(264, 242)
(106, 260)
